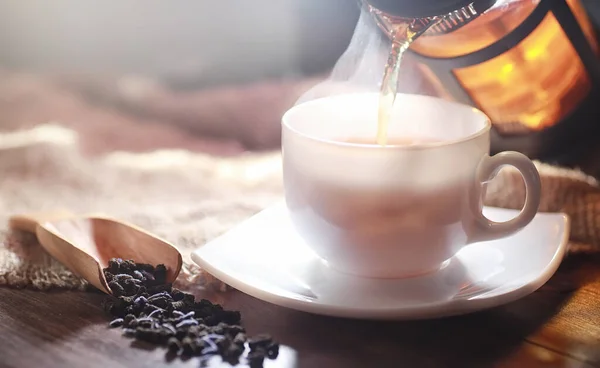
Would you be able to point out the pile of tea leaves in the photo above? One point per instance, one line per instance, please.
(148, 308)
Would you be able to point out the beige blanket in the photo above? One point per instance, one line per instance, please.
(186, 198)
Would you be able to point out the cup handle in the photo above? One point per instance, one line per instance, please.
(488, 168)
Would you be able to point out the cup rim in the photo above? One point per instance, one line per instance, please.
(445, 143)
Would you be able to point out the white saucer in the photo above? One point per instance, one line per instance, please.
(265, 258)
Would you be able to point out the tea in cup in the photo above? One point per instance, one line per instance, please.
(402, 209)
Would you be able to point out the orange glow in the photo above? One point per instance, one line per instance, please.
(529, 87)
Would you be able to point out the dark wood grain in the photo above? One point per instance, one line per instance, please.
(557, 326)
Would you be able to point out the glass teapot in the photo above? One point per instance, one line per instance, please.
(531, 65)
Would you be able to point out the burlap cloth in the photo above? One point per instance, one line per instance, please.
(186, 198)
(189, 198)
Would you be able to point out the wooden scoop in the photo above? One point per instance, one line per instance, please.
(85, 244)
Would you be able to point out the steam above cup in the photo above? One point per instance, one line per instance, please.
(402, 209)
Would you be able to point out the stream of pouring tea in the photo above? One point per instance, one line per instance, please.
(404, 35)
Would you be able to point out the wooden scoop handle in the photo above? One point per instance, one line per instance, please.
(72, 257)
(30, 221)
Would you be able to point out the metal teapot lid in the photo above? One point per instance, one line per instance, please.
(427, 8)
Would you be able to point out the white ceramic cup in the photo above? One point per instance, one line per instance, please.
(396, 210)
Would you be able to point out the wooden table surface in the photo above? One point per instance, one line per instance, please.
(557, 326)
